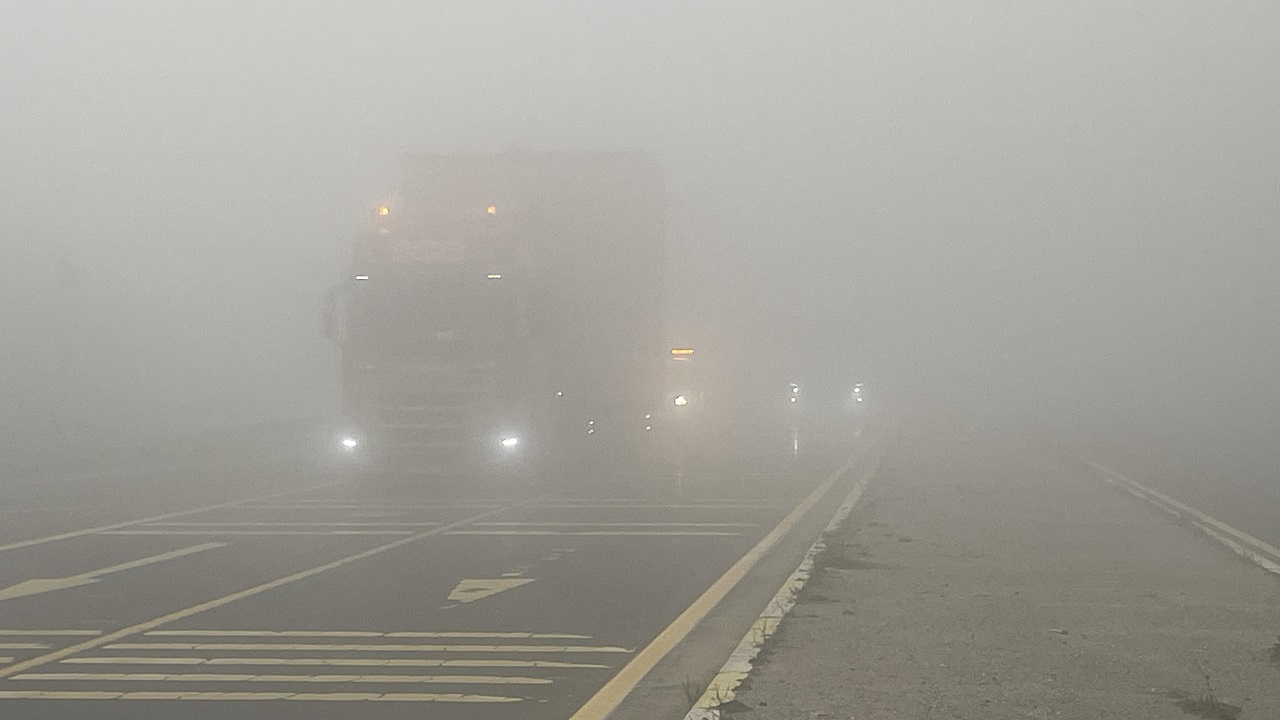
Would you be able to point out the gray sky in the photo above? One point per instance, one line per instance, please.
(1051, 195)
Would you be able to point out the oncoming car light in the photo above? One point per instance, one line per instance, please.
(509, 442)
(681, 401)
(349, 443)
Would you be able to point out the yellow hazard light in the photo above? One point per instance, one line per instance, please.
(492, 210)
(383, 211)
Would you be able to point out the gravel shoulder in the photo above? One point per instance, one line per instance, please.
(980, 579)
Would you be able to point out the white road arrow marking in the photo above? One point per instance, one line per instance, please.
(472, 590)
(44, 585)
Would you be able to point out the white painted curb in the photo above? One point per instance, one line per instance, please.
(736, 669)
(1263, 554)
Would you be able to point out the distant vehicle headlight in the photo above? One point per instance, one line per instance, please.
(681, 401)
(349, 443)
(509, 442)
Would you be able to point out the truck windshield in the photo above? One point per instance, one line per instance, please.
(481, 319)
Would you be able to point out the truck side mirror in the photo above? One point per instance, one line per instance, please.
(335, 314)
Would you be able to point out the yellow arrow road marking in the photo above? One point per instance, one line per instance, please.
(472, 590)
(318, 647)
(256, 697)
(44, 585)
(334, 662)
(216, 677)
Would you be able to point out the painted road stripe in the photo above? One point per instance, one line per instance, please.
(238, 678)
(309, 508)
(259, 532)
(617, 506)
(24, 646)
(1262, 553)
(600, 533)
(256, 697)
(234, 597)
(620, 524)
(292, 524)
(44, 585)
(367, 634)
(50, 633)
(334, 662)
(154, 518)
(608, 697)
(323, 647)
(5, 660)
(724, 685)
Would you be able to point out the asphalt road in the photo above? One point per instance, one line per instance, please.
(216, 593)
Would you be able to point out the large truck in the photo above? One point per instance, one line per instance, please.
(504, 315)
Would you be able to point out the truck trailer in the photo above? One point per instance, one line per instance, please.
(503, 315)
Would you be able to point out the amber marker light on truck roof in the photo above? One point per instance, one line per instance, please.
(492, 209)
(383, 210)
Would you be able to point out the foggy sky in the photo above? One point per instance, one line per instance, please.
(1058, 204)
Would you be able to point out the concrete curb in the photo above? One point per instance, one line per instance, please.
(737, 668)
(1260, 552)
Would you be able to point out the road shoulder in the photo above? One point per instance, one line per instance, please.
(976, 580)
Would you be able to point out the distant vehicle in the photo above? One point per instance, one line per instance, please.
(505, 314)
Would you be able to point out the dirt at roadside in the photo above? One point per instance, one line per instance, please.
(979, 579)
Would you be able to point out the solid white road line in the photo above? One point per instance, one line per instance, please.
(333, 662)
(255, 696)
(154, 518)
(185, 613)
(332, 647)
(242, 678)
(735, 670)
(367, 634)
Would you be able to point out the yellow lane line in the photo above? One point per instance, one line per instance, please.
(238, 678)
(600, 533)
(50, 633)
(153, 518)
(333, 662)
(607, 699)
(320, 647)
(234, 597)
(725, 685)
(256, 696)
(366, 634)
(257, 532)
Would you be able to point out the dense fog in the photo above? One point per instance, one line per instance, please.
(1060, 213)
